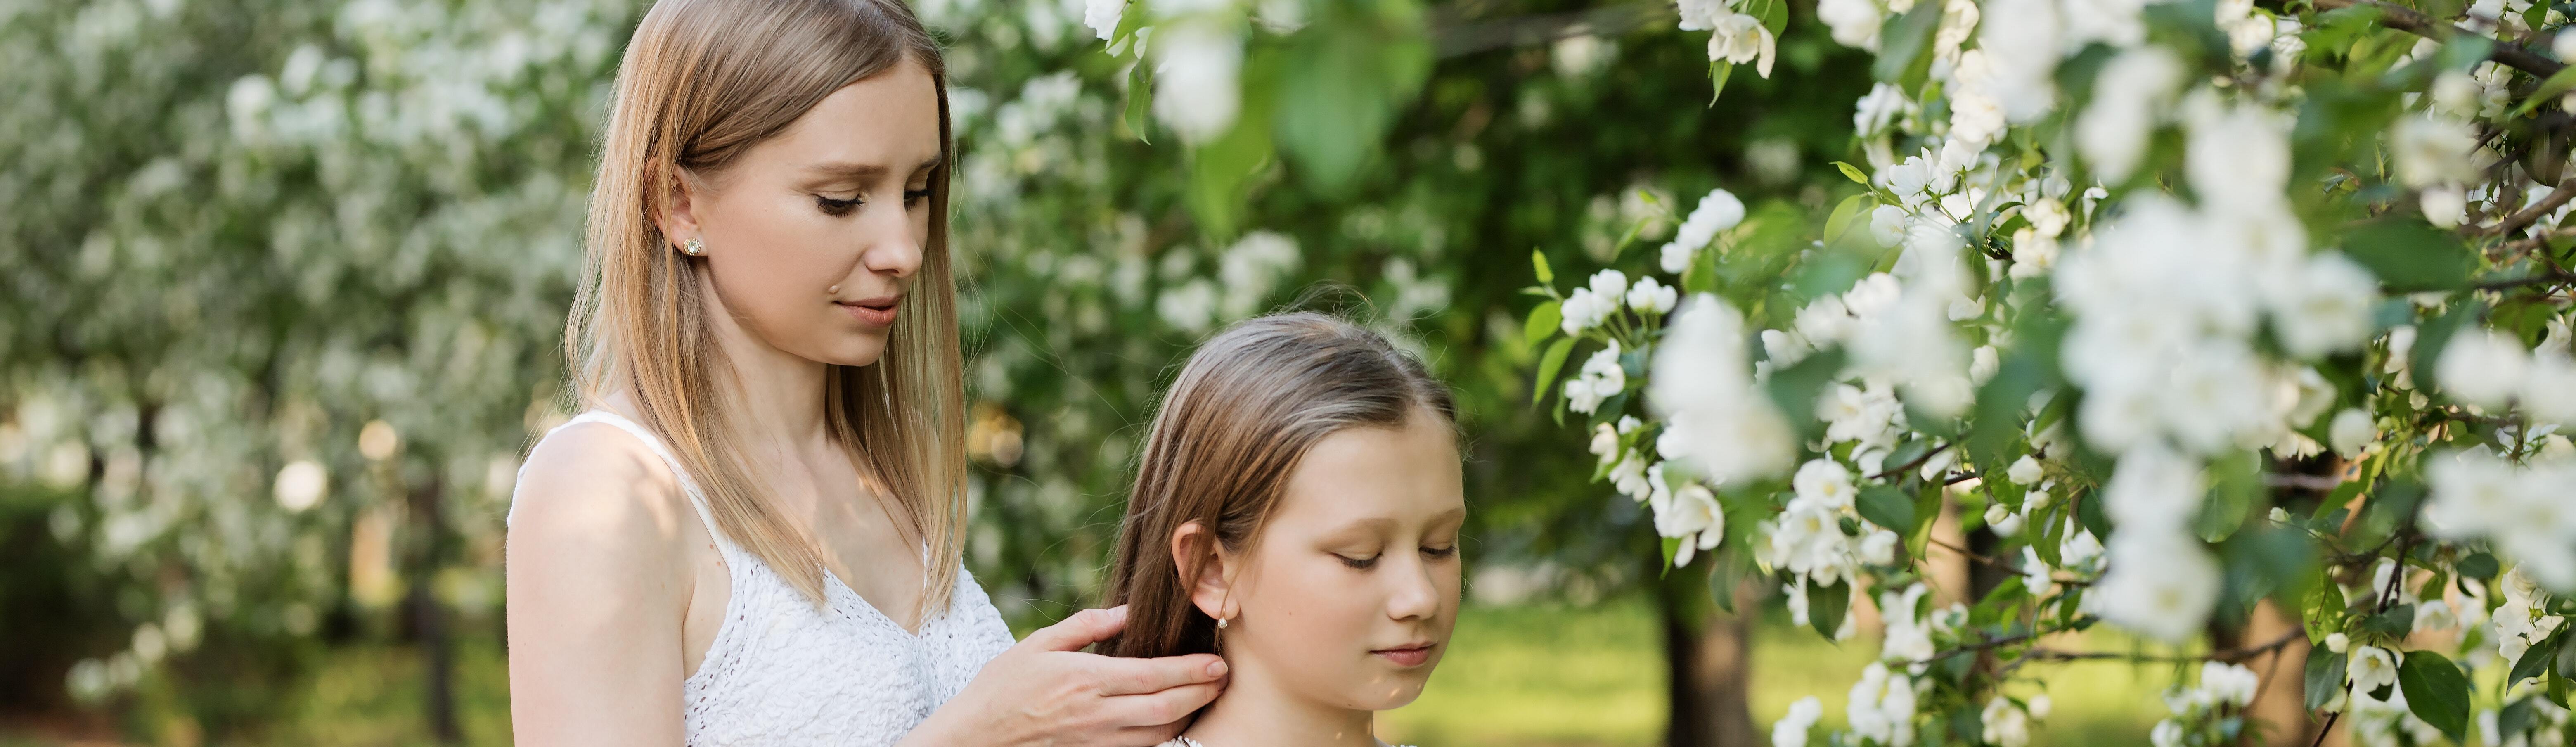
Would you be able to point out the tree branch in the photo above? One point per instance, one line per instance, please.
(2523, 219)
(2408, 20)
(1452, 34)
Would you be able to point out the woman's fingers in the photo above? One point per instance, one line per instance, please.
(1082, 629)
(1130, 677)
(1169, 708)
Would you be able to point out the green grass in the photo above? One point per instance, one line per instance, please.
(1523, 676)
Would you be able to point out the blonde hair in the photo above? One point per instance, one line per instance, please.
(1243, 413)
(701, 83)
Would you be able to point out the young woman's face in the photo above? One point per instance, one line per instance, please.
(812, 237)
(1349, 594)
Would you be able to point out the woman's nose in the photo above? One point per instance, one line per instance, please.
(892, 248)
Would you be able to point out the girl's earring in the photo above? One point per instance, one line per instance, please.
(1220, 622)
(696, 247)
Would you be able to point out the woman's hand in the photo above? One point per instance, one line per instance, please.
(1046, 692)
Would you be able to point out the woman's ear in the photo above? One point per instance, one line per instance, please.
(678, 218)
(1204, 565)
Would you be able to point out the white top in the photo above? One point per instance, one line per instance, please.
(1188, 742)
(782, 672)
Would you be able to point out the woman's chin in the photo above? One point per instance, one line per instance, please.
(856, 351)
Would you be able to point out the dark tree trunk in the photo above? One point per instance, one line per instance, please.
(428, 621)
(1708, 663)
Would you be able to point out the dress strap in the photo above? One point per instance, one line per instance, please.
(697, 500)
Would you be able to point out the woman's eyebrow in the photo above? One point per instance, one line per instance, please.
(855, 171)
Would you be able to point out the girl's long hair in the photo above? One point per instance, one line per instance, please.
(701, 83)
(1245, 410)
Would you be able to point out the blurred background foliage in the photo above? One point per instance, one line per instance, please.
(285, 282)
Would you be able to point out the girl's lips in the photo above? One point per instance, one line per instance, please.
(873, 316)
(1410, 656)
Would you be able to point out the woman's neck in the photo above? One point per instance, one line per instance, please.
(1256, 712)
(779, 394)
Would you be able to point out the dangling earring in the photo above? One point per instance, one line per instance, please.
(695, 248)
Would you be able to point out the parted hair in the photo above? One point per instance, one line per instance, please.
(701, 83)
(1243, 412)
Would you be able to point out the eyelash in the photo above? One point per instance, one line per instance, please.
(1437, 553)
(837, 208)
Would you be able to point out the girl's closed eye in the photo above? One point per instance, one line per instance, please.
(1358, 563)
(1440, 553)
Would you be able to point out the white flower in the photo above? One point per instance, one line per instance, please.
(2431, 149)
(2161, 583)
(2371, 668)
(1196, 88)
(1854, 23)
(1716, 421)
(2024, 471)
(1701, 15)
(2237, 156)
(2338, 642)
(1825, 481)
(2168, 733)
(2326, 309)
(2153, 490)
(2232, 684)
(2482, 367)
(1605, 443)
(1694, 517)
(301, 485)
(2444, 206)
(1879, 548)
(1601, 378)
(2079, 547)
(2001, 518)
(2351, 430)
(2006, 724)
(2549, 389)
(1791, 730)
(1584, 310)
(1885, 102)
(1102, 16)
(1717, 211)
(1741, 38)
(1651, 297)
(1887, 225)
(1610, 284)
(2435, 615)
(2112, 132)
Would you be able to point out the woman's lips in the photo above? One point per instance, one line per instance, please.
(1408, 656)
(873, 313)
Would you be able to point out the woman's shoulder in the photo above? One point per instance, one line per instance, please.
(600, 483)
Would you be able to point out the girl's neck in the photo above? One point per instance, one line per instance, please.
(1256, 712)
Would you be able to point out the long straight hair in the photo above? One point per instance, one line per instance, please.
(1244, 412)
(701, 83)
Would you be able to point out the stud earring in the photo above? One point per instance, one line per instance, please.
(696, 247)
(1220, 622)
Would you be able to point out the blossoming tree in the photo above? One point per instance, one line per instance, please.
(2194, 309)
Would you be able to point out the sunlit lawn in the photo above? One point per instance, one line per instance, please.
(1520, 676)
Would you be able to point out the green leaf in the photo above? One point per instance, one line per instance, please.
(1718, 72)
(1539, 260)
(1826, 606)
(1887, 507)
(1543, 321)
(1340, 89)
(2479, 565)
(1794, 389)
(2325, 677)
(1140, 99)
(2410, 255)
(2562, 82)
(1774, 14)
(2535, 660)
(2394, 623)
(1548, 363)
(2436, 692)
(1905, 46)
(1853, 173)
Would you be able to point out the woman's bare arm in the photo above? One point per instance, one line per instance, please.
(597, 587)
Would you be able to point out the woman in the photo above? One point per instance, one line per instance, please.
(751, 536)
(1297, 509)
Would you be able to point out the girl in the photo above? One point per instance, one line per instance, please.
(752, 535)
(1297, 510)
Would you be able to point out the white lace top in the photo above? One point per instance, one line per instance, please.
(781, 672)
(1188, 742)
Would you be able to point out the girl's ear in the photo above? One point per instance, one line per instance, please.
(1203, 564)
(678, 218)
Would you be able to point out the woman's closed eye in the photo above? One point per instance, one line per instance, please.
(837, 207)
(914, 197)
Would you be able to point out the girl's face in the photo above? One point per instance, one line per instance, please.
(812, 237)
(1348, 596)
